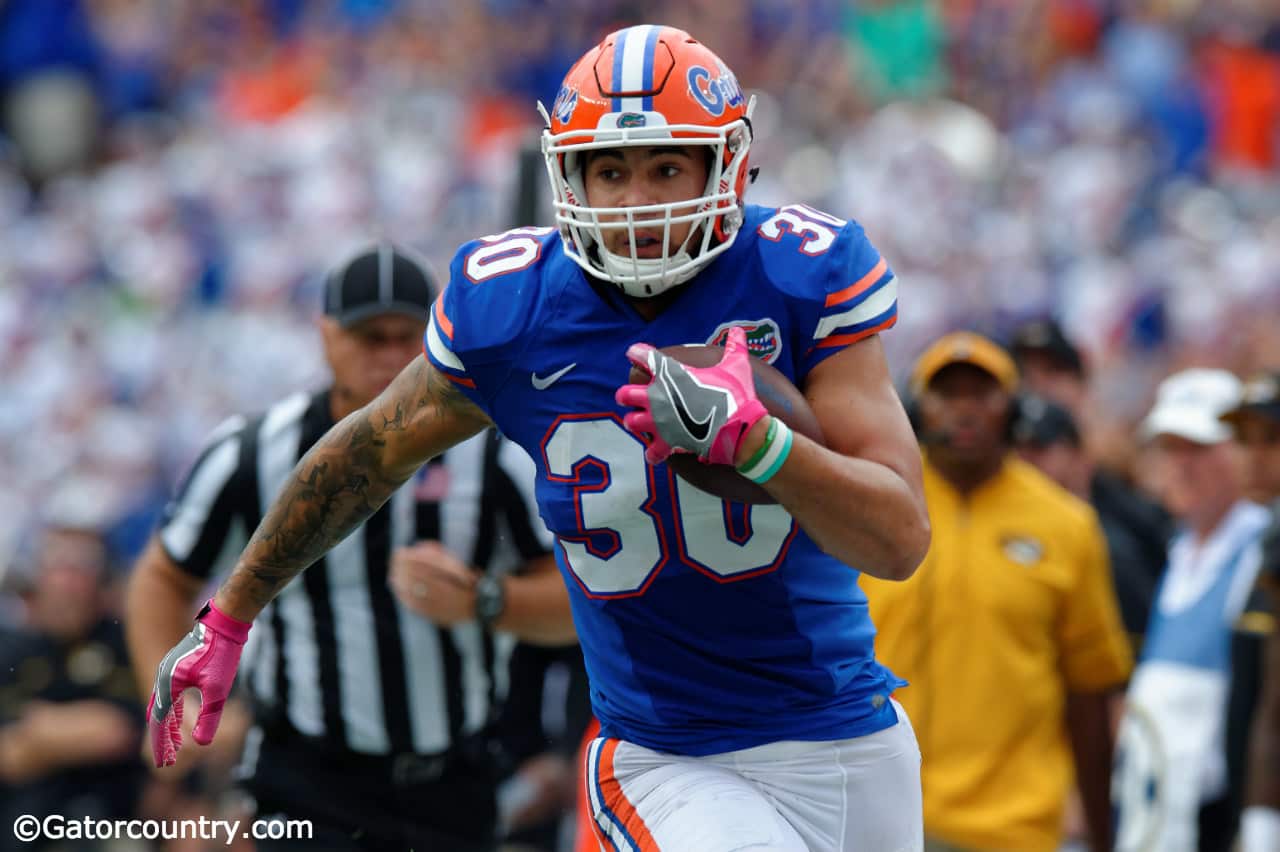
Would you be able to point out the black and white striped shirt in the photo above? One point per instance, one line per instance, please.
(335, 654)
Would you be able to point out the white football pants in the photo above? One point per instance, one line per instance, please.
(854, 795)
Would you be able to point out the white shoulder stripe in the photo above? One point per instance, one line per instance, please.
(875, 305)
(208, 480)
(439, 351)
(284, 414)
(225, 428)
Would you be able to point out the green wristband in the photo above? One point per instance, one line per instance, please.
(776, 452)
(764, 447)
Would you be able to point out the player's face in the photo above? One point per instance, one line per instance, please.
(1260, 437)
(967, 407)
(635, 177)
(368, 355)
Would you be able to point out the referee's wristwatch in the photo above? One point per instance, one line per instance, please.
(491, 599)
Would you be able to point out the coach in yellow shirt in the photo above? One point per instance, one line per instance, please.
(1009, 631)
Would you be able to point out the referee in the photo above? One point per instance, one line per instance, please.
(372, 677)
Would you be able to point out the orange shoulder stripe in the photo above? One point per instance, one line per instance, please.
(442, 321)
(858, 286)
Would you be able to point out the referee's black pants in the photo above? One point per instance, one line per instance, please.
(361, 803)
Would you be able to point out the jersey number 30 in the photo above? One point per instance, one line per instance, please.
(615, 496)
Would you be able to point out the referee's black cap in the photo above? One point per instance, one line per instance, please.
(379, 279)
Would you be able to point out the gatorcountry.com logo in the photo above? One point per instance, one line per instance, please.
(764, 340)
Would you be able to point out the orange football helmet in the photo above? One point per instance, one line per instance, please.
(647, 86)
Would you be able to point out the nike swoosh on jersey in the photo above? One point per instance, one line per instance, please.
(544, 382)
(697, 429)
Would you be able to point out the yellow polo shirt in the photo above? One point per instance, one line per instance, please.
(1012, 608)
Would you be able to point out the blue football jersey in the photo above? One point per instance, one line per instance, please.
(707, 626)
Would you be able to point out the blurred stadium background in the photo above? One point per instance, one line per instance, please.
(174, 176)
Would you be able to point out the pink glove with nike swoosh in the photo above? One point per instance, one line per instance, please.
(700, 410)
(206, 659)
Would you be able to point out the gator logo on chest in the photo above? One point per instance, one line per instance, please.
(764, 338)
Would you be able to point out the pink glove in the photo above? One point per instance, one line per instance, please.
(700, 410)
(206, 659)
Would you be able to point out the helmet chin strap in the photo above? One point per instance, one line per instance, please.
(623, 270)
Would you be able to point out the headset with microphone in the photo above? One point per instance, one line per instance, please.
(960, 347)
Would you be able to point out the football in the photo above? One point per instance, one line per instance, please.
(782, 399)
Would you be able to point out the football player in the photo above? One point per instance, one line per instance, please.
(729, 648)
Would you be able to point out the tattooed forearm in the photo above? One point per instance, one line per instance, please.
(345, 477)
(439, 393)
(335, 488)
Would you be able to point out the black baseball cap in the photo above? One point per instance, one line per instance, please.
(1047, 337)
(1041, 423)
(1261, 396)
(379, 279)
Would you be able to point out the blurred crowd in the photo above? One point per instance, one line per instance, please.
(175, 176)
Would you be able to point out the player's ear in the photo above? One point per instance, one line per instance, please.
(329, 330)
